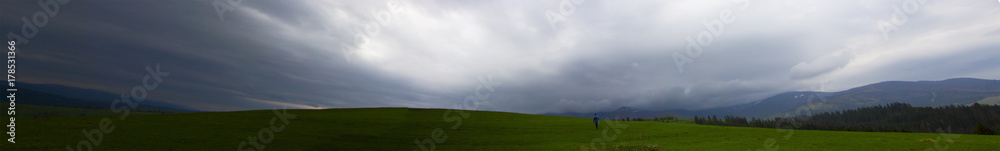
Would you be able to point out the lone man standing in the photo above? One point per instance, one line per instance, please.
(596, 121)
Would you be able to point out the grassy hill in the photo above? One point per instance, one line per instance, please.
(989, 101)
(399, 128)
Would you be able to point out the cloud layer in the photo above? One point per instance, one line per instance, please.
(551, 56)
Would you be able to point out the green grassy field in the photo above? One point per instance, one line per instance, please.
(399, 128)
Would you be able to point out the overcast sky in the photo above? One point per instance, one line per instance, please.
(545, 56)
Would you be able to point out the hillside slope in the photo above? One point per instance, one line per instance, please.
(958, 91)
(400, 128)
(67, 96)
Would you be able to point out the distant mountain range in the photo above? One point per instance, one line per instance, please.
(958, 91)
(622, 113)
(66, 96)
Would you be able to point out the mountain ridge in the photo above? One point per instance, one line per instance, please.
(954, 91)
(68, 96)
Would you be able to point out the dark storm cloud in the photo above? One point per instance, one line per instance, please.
(432, 54)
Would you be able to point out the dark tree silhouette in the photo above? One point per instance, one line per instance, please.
(892, 117)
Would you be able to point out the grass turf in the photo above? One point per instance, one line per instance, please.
(399, 128)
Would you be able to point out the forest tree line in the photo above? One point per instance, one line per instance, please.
(893, 117)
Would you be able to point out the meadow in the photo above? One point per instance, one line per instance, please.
(405, 128)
